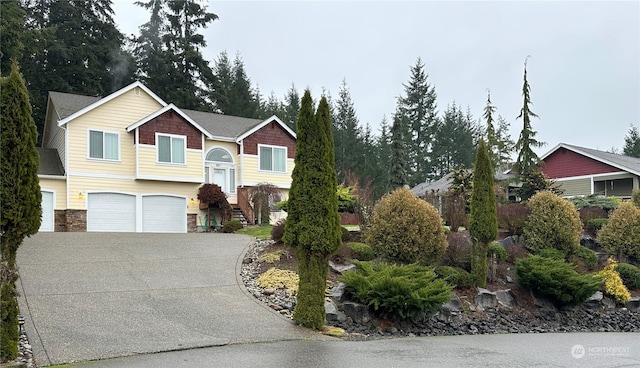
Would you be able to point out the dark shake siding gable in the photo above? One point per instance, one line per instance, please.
(271, 134)
(170, 123)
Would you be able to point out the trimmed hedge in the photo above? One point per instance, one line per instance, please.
(630, 275)
(361, 251)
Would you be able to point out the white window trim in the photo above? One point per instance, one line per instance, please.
(89, 130)
(209, 166)
(286, 154)
(184, 149)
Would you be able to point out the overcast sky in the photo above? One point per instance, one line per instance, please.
(584, 69)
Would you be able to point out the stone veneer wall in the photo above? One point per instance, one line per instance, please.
(192, 224)
(60, 221)
(76, 220)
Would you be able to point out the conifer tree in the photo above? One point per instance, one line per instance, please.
(20, 196)
(346, 133)
(291, 108)
(528, 160)
(312, 227)
(632, 142)
(483, 218)
(499, 144)
(398, 169)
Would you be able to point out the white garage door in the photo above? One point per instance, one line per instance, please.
(164, 214)
(47, 212)
(111, 212)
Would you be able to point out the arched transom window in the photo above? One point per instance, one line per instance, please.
(219, 169)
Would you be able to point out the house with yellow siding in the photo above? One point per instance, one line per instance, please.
(131, 162)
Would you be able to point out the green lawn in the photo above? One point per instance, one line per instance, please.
(258, 231)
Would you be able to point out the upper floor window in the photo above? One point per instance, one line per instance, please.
(171, 148)
(219, 155)
(104, 145)
(273, 158)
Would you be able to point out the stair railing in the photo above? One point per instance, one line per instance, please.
(245, 206)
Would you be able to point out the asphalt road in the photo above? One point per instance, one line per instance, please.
(583, 350)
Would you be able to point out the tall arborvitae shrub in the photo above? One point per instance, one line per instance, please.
(483, 218)
(20, 194)
(312, 227)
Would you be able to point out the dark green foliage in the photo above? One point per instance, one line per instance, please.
(313, 270)
(361, 251)
(499, 144)
(593, 226)
(483, 218)
(231, 226)
(406, 229)
(533, 182)
(20, 194)
(399, 292)
(630, 275)
(398, 174)
(498, 251)
(455, 276)
(553, 222)
(455, 137)
(589, 213)
(550, 253)
(313, 224)
(232, 93)
(527, 160)
(277, 231)
(586, 255)
(344, 234)
(632, 142)
(11, 32)
(595, 201)
(556, 280)
(8, 320)
(512, 217)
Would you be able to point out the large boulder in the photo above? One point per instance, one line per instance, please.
(505, 298)
(332, 313)
(485, 299)
(359, 313)
(633, 304)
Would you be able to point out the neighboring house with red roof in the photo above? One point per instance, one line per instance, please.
(581, 171)
(132, 162)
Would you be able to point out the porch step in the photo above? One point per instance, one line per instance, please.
(239, 216)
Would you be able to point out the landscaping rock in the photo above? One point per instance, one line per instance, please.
(506, 242)
(358, 313)
(337, 293)
(453, 305)
(341, 268)
(543, 303)
(589, 242)
(485, 299)
(505, 298)
(633, 304)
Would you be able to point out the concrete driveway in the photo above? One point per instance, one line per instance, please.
(89, 296)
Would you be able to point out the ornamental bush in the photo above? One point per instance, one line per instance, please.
(612, 282)
(586, 255)
(553, 222)
(277, 231)
(406, 229)
(512, 217)
(630, 275)
(590, 213)
(455, 276)
(361, 251)
(556, 280)
(593, 226)
(396, 291)
(621, 235)
(231, 226)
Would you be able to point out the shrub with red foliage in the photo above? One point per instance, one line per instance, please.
(590, 213)
(512, 217)
(458, 252)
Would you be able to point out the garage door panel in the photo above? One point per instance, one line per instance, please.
(111, 212)
(47, 212)
(164, 214)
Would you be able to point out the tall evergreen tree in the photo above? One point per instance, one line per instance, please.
(12, 28)
(346, 133)
(528, 160)
(272, 106)
(152, 57)
(20, 195)
(74, 47)
(190, 72)
(313, 225)
(632, 142)
(499, 144)
(232, 93)
(398, 169)
(418, 106)
(454, 141)
(483, 218)
(380, 177)
(291, 107)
